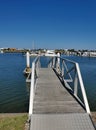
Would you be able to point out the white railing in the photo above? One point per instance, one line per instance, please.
(69, 73)
(34, 74)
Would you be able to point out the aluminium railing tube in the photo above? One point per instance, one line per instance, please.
(82, 89)
(32, 86)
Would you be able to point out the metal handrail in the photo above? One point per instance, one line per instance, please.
(35, 65)
(82, 89)
(77, 78)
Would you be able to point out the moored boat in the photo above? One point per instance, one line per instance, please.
(50, 53)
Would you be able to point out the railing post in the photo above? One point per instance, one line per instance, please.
(76, 84)
(53, 62)
(58, 59)
(62, 69)
(50, 65)
(38, 66)
(83, 89)
(58, 63)
(28, 60)
(31, 90)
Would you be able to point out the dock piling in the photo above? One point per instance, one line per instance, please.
(28, 59)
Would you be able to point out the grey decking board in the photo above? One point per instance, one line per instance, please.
(51, 96)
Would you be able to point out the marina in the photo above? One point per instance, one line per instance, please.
(14, 94)
(48, 65)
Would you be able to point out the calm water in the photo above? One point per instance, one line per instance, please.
(14, 92)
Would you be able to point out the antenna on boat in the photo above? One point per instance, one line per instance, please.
(33, 45)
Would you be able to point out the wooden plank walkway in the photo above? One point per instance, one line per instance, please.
(51, 96)
(54, 108)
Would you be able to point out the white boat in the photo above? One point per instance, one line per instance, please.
(1, 51)
(92, 54)
(33, 54)
(50, 53)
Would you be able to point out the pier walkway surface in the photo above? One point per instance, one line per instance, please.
(51, 97)
(54, 107)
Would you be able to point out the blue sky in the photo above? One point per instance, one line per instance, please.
(52, 24)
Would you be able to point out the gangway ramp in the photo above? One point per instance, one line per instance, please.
(51, 96)
(53, 104)
(54, 108)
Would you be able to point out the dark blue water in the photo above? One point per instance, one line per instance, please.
(14, 92)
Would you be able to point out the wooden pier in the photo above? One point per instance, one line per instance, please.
(53, 107)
